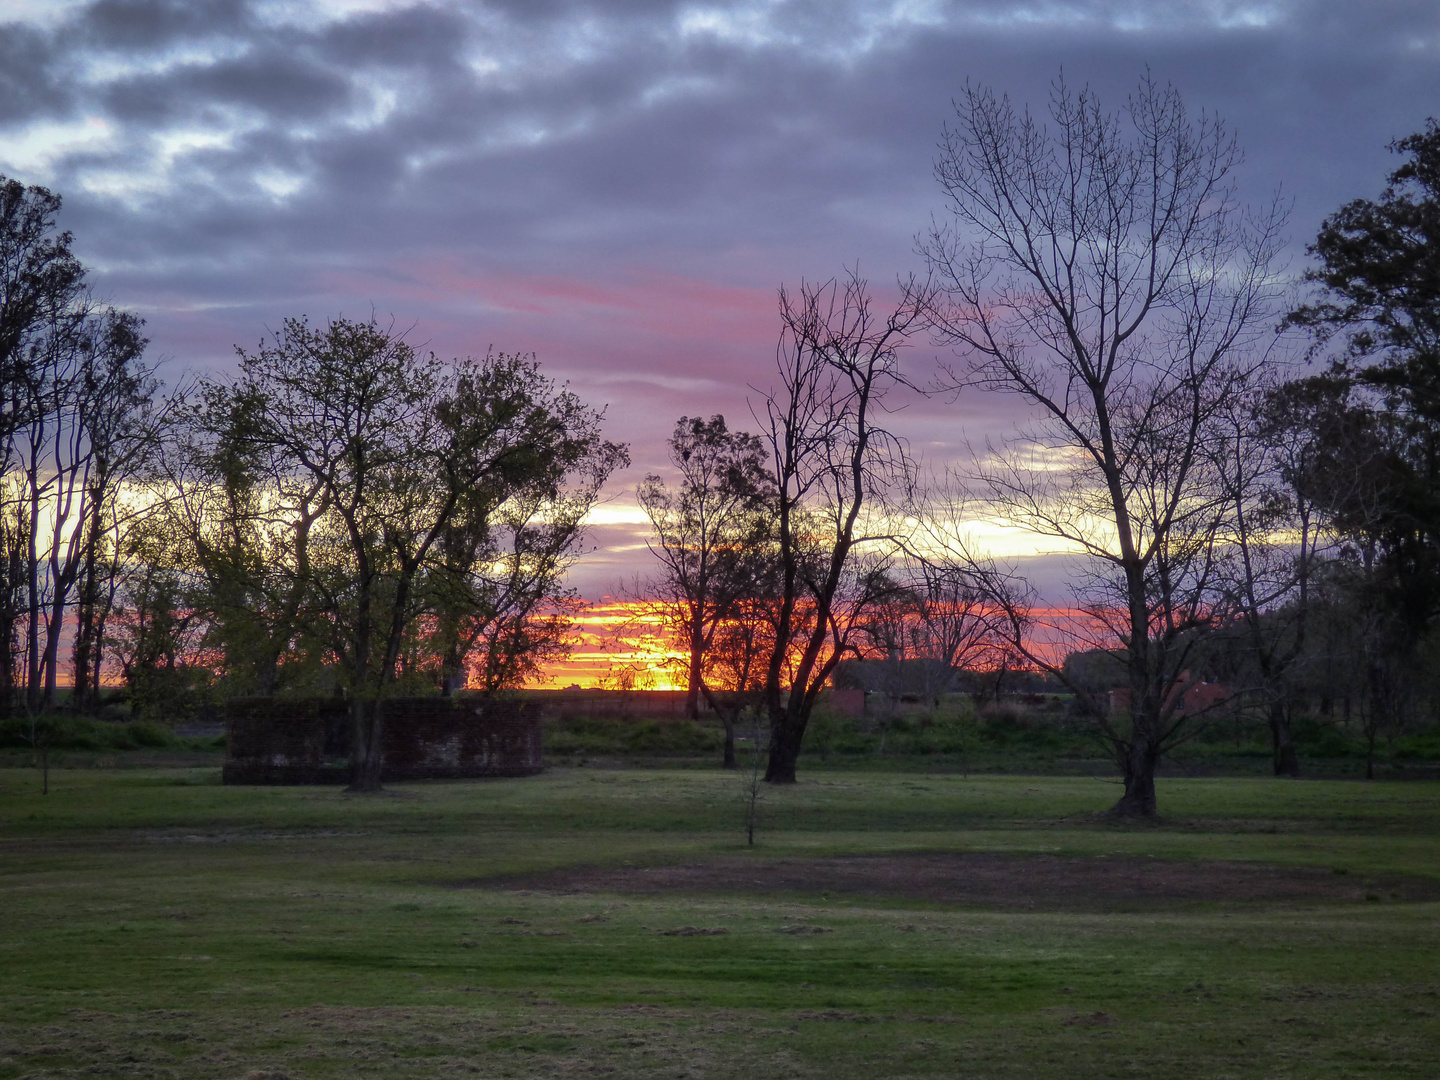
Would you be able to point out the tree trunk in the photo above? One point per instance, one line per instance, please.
(32, 608)
(692, 685)
(1139, 798)
(452, 670)
(80, 701)
(84, 629)
(267, 668)
(787, 732)
(8, 617)
(1282, 741)
(7, 673)
(366, 754)
(728, 709)
(87, 598)
(97, 660)
(54, 625)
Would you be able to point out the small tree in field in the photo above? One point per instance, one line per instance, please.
(753, 777)
(1100, 269)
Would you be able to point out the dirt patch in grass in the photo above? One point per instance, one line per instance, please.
(1010, 882)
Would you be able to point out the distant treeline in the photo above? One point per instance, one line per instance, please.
(344, 515)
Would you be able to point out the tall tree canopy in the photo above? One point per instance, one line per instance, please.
(1100, 268)
(75, 397)
(710, 534)
(385, 514)
(1378, 283)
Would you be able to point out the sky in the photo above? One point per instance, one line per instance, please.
(619, 187)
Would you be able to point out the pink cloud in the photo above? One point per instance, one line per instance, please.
(669, 305)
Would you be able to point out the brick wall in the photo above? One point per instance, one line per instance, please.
(307, 741)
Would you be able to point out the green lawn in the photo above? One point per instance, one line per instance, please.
(156, 924)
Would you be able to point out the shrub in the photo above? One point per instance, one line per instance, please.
(62, 732)
(571, 734)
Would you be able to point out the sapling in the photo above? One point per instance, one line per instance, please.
(754, 776)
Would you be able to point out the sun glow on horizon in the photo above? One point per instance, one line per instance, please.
(614, 635)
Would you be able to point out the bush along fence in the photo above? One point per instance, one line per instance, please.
(307, 741)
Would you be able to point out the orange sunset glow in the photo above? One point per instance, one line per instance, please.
(614, 634)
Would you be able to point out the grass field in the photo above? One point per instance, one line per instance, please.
(156, 924)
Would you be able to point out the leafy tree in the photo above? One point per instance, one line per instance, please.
(709, 536)
(1100, 269)
(40, 277)
(501, 609)
(380, 480)
(1378, 286)
(246, 517)
(1370, 426)
(1379, 276)
(158, 630)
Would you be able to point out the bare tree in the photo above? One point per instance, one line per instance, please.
(72, 411)
(890, 644)
(1100, 269)
(835, 466)
(975, 612)
(40, 279)
(932, 622)
(123, 418)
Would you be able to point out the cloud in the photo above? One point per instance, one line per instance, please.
(617, 186)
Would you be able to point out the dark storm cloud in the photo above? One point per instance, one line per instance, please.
(526, 133)
(29, 86)
(279, 86)
(619, 186)
(150, 25)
